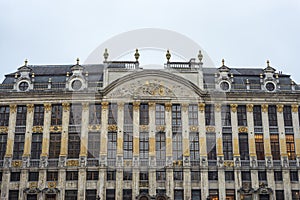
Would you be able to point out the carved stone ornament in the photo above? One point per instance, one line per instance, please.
(295, 108)
(127, 163)
(264, 107)
(62, 161)
(72, 163)
(30, 108)
(85, 106)
(279, 108)
(37, 129)
(144, 128)
(184, 107)
(47, 107)
(136, 105)
(243, 129)
(233, 107)
(56, 129)
(218, 107)
(16, 163)
(201, 107)
(7, 162)
(193, 128)
(95, 127)
(66, 106)
(43, 162)
(151, 105)
(168, 107)
(25, 161)
(249, 107)
(228, 163)
(33, 185)
(51, 184)
(104, 105)
(13, 108)
(3, 129)
(160, 128)
(112, 127)
(83, 161)
(210, 129)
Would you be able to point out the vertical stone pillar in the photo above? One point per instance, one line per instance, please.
(152, 152)
(5, 184)
(119, 172)
(46, 134)
(136, 149)
(28, 134)
(42, 183)
(64, 134)
(61, 183)
(281, 131)
(203, 151)
(169, 154)
(23, 183)
(295, 117)
(81, 183)
(84, 133)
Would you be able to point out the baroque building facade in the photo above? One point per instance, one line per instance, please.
(118, 131)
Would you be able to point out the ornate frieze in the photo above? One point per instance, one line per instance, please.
(72, 163)
(56, 129)
(112, 127)
(210, 129)
(16, 163)
(37, 129)
(3, 129)
(94, 127)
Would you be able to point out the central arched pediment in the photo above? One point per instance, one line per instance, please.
(152, 84)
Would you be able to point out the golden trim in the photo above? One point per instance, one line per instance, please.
(279, 108)
(136, 105)
(228, 163)
(295, 108)
(184, 107)
(104, 105)
(127, 163)
(30, 108)
(144, 128)
(249, 107)
(168, 106)
(193, 128)
(177, 163)
(233, 107)
(55, 129)
(13, 108)
(243, 129)
(218, 107)
(3, 129)
(51, 184)
(201, 107)
(210, 129)
(160, 128)
(85, 106)
(37, 129)
(33, 185)
(16, 163)
(72, 163)
(264, 108)
(47, 107)
(112, 127)
(94, 127)
(66, 106)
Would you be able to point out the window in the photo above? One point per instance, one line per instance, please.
(128, 114)
(144, 146)
(177, 146)
(161, 175)
(196, 194)
(92, 175)
(112, 145)
(111, 175)
(73, 145)
(246, 176)
(0, 176)
(72, 176)
(71, 195)
(127, 175)
(262, 176)
(128, 145)
(21, 115)
(294, 176)
(278, 176)
(295, 194)
(244, 146)
(227, 146)
(38, 118)
(193, 115)
(18, 146)
(242, 115)
(279, 195)
(3, 141)
(33, 176)
(52, 176)
(178, 194)
(55, 142)
(56, 115)
(160, 146)
(287, 116)
(75, 114)
(209, 115)
(4, 115)
(144, 176)
(194, 147)
(259, 146)
(229, 176)
(290, 146)
(13, 194)
(275, 149)
(93, 144)
(160, 114)
(110, 194)
(257, 115)
(195, 175)
(31, 197)
(211, 146)
(178, 175)
(212, 175)
(36, 145)
(91, 194)
(225, 115)
(144, 114)
(15, 176)
(272, 113)
(112, 113)
(95, 114)
(127, 194)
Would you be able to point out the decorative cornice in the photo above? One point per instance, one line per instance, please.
(95, 127)
(249, 107)
(37, 129)
(56, 129)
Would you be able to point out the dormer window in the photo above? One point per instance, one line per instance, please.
(224, 85)
(270, 86)
(23, 86)
(76, 85)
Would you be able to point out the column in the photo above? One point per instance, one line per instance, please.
(46, 134)
(119, 171)
(64, 134)
(61, 183)
(152, 160)
(84, 133)
(23, 183)
(203, 152)
(295, 116)
(28, 135)
(81, 183)
(42, 183)
(136, 150)
(169, 154)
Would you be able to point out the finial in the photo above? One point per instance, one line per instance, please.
(68, 74)
(16, 75)
(49, 80)
(293, 83)
(32, 75)
(223, 62)
(247, 81)
(231, 75)
(137, 55)
(77, 61)
(86, 73)
(268, 63)
(168, 55)
(200, 56)
(26, 61)
(260, 76)
(105, 54)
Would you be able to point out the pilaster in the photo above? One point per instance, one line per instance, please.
(81, 184)
(152, 160)
(84, 134)
(136, 127)
(5, 184)
(120, 125)
(280, 122)
(23, 183)
(46, 133)
(28, 133)
(265, 122)
(103, 145)
(295, 116)
(170, 183)
(168, 121)
(101, 184)
(64, 134)
(235, 132)
(218, 131)
(119, 184)
(287, 184)
(11, 133)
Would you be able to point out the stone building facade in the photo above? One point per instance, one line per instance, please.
(118, 131)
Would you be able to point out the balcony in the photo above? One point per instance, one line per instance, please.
(52, 162)
(111, 162)
(245, 163)
(34, 162)
(92, 162)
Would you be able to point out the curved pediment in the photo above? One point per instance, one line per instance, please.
(152, 84)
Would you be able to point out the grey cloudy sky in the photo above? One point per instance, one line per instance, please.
(244, 33)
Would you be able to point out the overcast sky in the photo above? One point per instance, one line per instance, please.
(244, 33)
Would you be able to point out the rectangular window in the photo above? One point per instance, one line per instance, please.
(193, 115)
(176, 117)
(33, 176)
(290, 146)
(112, 113)
(257, 118)
(3, 141)
(72, 176)
(36, 145)
(178, 175)
(209, 115)
(52, 176)
(226, 115)
(259, 146)
(194, 147)
(278, 176)
(15, 176)
(227, 146)
(31, 197)
(144, 176)
(160, 146)
(18, 146)
(195, 175)
(279, 194)
(128, 114)
(110, 194)
(144, 146)
(92, 175)
(127, 194)
(111, 175)
(275, 147)
(272, 113)
(196, 194)
(287, 116)
(128, 145)
(75, 114)
(56, 115)
(73, 145)
(71, 195)
(4, 115)
(93, 144)
(212, 175)
(13, 194)
(211, 146)
(177, 146)
(91, 194)
(262, 176)
(295, 194)
(229, 176)
(161, 175)
(54, 147)
(160, 114)
(21, 115)
(246, 176)
(244, 146)
(127, 175)
(242, 115)
(112, 145)
(294, 176)
(144, 114)
(95, 114)
(178, 195)
(38, 118)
